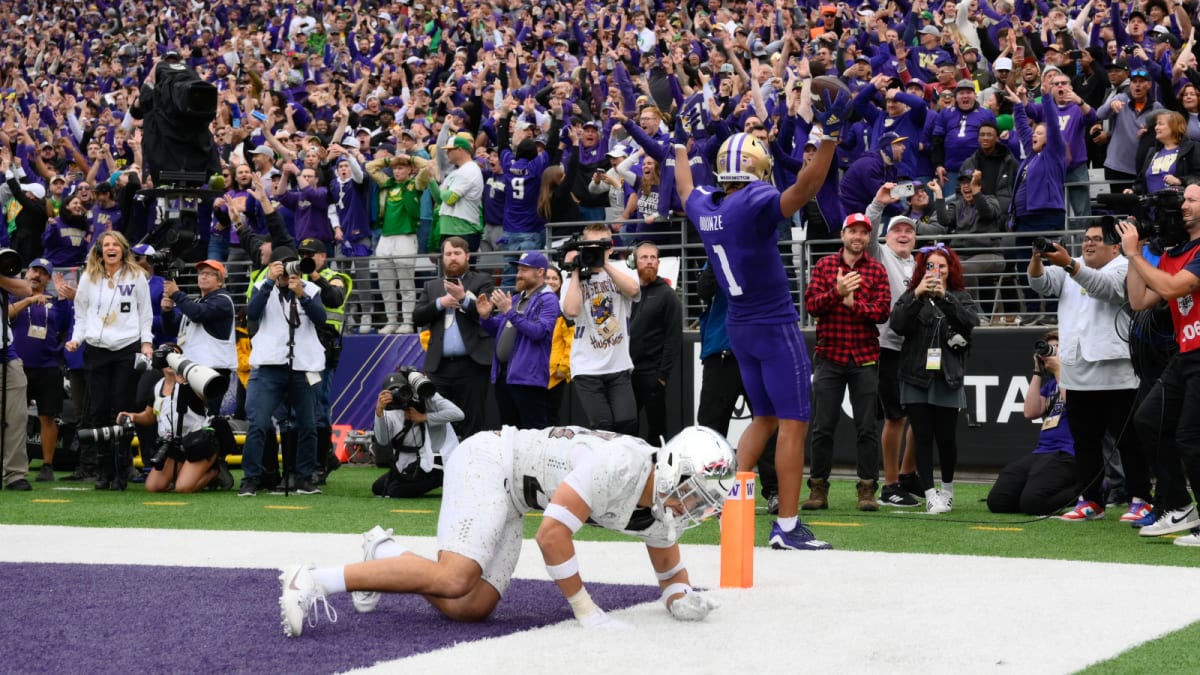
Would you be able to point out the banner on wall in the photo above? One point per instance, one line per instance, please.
(366, 362)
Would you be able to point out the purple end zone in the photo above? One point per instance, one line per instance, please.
(144, 618)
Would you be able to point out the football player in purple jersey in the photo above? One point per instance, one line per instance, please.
(573, 475)
(739, 223)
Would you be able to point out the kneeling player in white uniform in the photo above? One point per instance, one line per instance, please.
(572, 474)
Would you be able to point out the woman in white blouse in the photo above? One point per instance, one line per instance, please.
(113, 318)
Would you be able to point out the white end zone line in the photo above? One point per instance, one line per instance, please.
(838, 610)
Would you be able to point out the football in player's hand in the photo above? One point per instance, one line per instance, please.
(825, 89)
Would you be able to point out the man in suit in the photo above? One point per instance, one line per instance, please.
(459, 357)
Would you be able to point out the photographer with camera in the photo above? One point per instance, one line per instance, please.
(1096, 370)
(186, 455)
(598, 296)
(1044, 481)
(335, 296)
(113, 317)
(204, 325)
(1166, 423)
(412, 427)
(287, 361)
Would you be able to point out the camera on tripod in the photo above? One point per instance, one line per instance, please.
(172, 238)
(408, 386)
(591, 253)
(121, 430)
(1158, 217)
(10, 262)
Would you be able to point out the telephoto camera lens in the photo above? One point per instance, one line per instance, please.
(1043, 349)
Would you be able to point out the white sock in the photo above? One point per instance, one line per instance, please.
(948, 488)
(788, 524)
(332, 579)
(389, 549)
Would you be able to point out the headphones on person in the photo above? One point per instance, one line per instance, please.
(631, 259)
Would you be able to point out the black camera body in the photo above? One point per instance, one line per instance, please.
(591, 254)
(300, 268)
(123, 429)
(1158, 217)
(408, 386)
(1042, 349)
(1045, 245)
(161, 451)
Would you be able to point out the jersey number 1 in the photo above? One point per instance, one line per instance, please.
(723, 261)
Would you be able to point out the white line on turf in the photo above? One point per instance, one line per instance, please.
(836, 610)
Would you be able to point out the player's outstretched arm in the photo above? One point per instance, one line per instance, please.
(681, 600)
(683, 175)
(564, 516)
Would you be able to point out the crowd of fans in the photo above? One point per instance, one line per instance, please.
(382, 131)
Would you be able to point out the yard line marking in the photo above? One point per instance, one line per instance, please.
(51, 501)
(288, 508)
(165, 503)
(825, 524)
(989, 528)
(425, 511)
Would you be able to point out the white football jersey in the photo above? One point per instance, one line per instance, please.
(608, 470)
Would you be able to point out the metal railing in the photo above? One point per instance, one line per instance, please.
(995, 274)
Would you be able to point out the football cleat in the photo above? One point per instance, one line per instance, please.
(365, 601)
(298, 598)
(799, 539)
(742, 159)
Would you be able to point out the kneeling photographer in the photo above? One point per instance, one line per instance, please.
(187, 456)
(412, 427)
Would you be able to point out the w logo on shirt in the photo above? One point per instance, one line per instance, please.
(125, 289)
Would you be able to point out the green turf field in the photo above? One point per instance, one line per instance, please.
(348, 507)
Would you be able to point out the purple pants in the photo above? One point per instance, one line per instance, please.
(775, 369)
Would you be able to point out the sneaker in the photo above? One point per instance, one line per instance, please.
(308, 487)
(947, 499)
(299, 596)
(80, 476)
(249, 488)
(818, 495)
(773, 505)
(45, 474)
(389, 329)
(1148, 519)
(1178, 520)
(866, 495)
(799, 539)
(365, 601)
(1137, 511)
(19, 485)
(911, 484)
(224, 479)
(405, 329)
(934, 504)
(1084, 510)
(1192, 539)
(894, 495)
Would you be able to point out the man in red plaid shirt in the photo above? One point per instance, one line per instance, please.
(848, 294)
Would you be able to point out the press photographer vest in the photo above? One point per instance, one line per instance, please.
(205, 348)
(336, 316)
(1185, 310)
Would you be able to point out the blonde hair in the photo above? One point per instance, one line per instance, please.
(95, 258)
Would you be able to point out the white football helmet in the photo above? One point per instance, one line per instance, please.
(689, 477)
(743, 158)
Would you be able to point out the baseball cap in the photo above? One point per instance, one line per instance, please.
(311, 245)
(283, 254)
(891, 138)
(1003, 63)
(931, 30)
(213, 264)
(902, 220)
(965, 84)
(1120, 64)
(143, 249)
(42, 263)
(533, 259)
(856, 219)
(617, 151)
(591, 123)
(460, 143)
(37, 189)
(263, 150)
